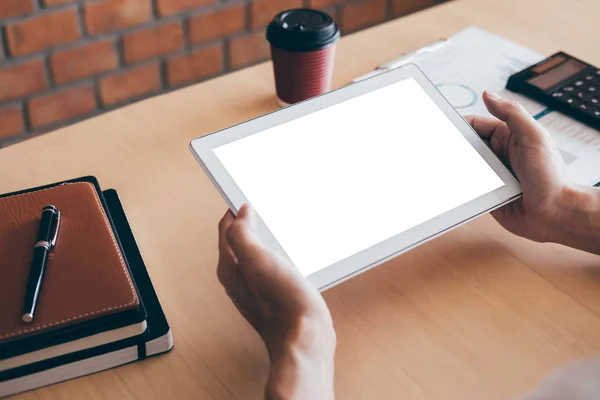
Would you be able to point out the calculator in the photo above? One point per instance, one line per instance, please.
(564, 83)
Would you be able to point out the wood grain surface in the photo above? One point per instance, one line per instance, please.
(475, 314)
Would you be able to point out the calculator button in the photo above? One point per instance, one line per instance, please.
(579, 83)
(596, 113)
(583, 107)
(571, 101)
(582, 95)
(589, 78)
(568, 88)
(558, 94)
(598, 72)
(592, 89)
(595, 100)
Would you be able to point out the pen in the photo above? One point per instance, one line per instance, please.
(46, 240)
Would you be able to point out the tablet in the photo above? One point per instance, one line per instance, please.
(352, 178)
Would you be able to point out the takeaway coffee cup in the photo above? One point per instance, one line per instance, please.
(302, 48)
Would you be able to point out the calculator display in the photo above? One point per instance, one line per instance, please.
(556, 75)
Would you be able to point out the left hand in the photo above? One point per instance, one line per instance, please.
(286, 310)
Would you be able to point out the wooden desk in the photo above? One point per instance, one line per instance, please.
(476, 314)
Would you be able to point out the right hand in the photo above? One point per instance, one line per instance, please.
(578, 381)
(527, 149)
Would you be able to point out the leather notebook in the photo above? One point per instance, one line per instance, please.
(156, 339)
(87, 276)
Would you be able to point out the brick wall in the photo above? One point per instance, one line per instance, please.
(65, 60)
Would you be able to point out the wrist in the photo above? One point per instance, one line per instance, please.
(302, 364)
(303, 334)
(575, 220)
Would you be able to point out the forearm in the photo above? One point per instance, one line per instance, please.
(576, 222)
(303, 367)
(577, 381)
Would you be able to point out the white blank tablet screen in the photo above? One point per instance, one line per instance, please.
(338, 181)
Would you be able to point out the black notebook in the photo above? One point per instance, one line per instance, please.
(157, 337)
(55, 341)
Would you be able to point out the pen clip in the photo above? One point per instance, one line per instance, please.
(55, 228)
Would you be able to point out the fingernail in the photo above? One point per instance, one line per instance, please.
(243, 211)
(493, 95)
(252, 218)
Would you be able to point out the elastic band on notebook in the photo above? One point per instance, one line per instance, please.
(141, 350)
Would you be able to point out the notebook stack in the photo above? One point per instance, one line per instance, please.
(97, 308)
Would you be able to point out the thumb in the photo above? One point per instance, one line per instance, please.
(241, 237)
(265, 272)
(520, 123)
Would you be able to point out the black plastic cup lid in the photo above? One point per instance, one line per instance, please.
(302, 29)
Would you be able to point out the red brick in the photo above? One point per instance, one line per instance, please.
(50, 3)
(110, 15)
(168, 7)
(83, 61)
(195, 66)
(217, 24)
(263, 11)
(14, 8)
(248, 50)
(403, 7)
(63, 105)
(363, 14)
(40, 33)
(130, 84)
(22, 79)
(152, 42)
(11, 121)
(321, 4)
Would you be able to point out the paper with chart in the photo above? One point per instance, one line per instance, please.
(473, 60)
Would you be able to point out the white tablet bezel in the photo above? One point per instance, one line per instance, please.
(202, 148)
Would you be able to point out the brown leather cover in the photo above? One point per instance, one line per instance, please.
(86, 275)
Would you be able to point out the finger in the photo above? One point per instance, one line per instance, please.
(227, 264)
(224, 249)
(499, 145)
(494, 132)
(248, 215)
(516, 117)
(484, 126)
(273, 278)
(243, 241)
(225, 222)
(232, 279)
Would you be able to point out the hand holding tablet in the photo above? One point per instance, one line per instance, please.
(370, 170)
(551, 209)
